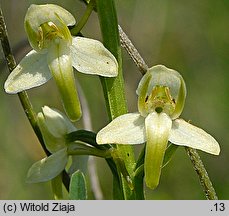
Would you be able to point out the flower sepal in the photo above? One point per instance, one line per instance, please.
(45, 22)
(48, 168)
(161, 90)
(54, 125)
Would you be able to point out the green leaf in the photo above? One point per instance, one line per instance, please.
(78, 190)
(48, 168)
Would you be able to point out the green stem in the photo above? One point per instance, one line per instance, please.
(57, 187)
(202, 173)
(23, 97)
(77, 28)
(84, 149)
(114, 87)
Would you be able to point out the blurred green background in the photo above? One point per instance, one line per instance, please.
(191, 37)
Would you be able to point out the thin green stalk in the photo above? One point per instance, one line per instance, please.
(202, 173)
(23, 97)
(77, 28)
(114, 87)
(57, 187)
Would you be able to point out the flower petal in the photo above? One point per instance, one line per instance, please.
(54, 125)
(60, 64)
(125, 129)
(158, 127)
(48, 168)
(57, 122)
(91, 57)
(52, 143)
(40, 14)
(185, 134)
(31, 72)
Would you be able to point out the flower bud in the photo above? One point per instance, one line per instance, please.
(54, 125)
(161, 90)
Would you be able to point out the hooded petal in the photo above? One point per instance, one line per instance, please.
(52, 143)
(40, 14)
(60, 64)
(125, 129)
(54, 125)
(48, 168)
(185, 134)
(158, 127)
(31, 72)
(91, 57)
(58, 123)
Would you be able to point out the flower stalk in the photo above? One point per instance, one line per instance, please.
(77, 28)
(205, 181)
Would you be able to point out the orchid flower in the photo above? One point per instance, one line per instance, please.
(55, 128)
(161, 96)
(54, 125)
(54, 54)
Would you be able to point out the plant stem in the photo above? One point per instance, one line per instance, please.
(114, 87)
(57, 187)
(202, 173)
(132, 51)
(23, 96)
(77, 28)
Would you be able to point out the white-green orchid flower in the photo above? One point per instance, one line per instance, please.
(54, 53)
(161, 97)
(54, 125)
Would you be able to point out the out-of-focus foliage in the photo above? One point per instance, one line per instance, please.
(190, 37)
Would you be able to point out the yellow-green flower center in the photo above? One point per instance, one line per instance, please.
(49, 32)
(160, 100)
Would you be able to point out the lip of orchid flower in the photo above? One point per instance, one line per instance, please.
(161, 96)
(56, 51)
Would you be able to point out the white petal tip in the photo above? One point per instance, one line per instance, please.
(185, 134)
(216, 150)
(10, 88)
(99, 140)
